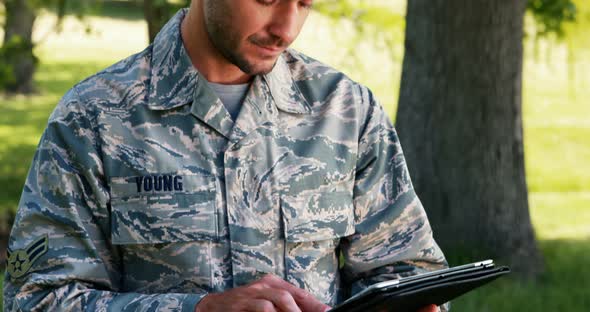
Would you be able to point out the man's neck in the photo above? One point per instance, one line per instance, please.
(204, 56)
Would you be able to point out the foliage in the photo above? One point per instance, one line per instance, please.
(551, 15)
(360, 12)
(366, 17)
(77, 8)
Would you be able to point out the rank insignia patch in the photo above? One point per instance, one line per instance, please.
(20, 261)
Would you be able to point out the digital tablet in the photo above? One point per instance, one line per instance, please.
(413, 292)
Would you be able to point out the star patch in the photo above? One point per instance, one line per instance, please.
(20, 261)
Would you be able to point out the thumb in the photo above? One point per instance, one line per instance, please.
(429, 308)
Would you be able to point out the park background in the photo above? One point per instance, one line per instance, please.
(556, 120)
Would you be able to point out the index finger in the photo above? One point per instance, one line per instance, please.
(306, 301)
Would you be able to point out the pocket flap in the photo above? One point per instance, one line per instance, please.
(151, 218)
(317, 216)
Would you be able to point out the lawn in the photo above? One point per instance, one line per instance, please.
(556, 120)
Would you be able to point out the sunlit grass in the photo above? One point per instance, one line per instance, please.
(561, 216)
(557, 158)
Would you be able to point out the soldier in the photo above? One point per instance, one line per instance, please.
(217, 170)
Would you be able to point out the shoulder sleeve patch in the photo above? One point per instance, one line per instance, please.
(20, 261)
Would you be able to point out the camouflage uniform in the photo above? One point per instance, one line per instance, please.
(145, 195)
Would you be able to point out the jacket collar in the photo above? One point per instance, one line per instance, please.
(284, 90)
(173, 77)
(174, 80)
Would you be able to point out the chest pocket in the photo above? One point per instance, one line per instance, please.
(315, 208)
(317, 216)
(174, 208)
(315, 220)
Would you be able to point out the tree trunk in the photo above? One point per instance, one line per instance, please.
(460, 122)
(18, 32)
(156, 14)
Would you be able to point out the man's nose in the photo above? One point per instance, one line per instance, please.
(286, 21)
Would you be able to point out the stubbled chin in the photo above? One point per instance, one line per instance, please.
(263, 67)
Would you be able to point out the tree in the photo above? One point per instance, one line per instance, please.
(17, 50)
(157, 13)
(17, 59)
(460, 122)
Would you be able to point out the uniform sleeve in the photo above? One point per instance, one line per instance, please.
(59, 254)
(393, 237)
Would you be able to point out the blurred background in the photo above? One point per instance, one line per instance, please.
(483, 93)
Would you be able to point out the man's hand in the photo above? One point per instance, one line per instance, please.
(429, 308)
(268, 294)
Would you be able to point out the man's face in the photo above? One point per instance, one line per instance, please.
(251, 34)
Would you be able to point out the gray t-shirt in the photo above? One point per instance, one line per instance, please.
(231, 96)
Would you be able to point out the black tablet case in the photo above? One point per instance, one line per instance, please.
(409, 297)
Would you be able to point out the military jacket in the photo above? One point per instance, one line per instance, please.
(145, 195)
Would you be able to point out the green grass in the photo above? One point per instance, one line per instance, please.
(556, 121)
(557, 158)
(563, 287)
(562, 216)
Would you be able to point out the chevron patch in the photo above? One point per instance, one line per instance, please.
(20, 261)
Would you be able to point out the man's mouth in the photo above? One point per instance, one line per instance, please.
(269, 51)
(268, 47)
